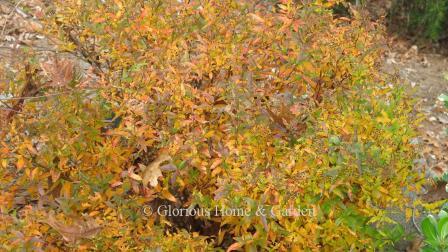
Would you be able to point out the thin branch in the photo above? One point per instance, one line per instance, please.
(9, 16)
(414, 222)
(44, 96)
(85, 53)
(357, 154)
(5, 104)
(15, 111)
(34, 48)
(30, 89)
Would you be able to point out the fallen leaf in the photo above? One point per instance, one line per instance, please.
(135, 177)
(76, 231)
(152, 172)
(61, 72)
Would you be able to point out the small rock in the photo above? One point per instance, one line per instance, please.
(414, 141)
(391, 61)
(443, 119)
(410, 70)
(425, 62)
(412, 52)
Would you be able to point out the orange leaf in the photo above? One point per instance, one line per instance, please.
(167, 195)
(66, 190)
(234, 246)
(20, 163)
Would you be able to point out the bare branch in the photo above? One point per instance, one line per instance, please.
(43, 96)
(15, 111)
(9, 16)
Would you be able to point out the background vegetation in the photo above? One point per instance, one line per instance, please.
(422, 17)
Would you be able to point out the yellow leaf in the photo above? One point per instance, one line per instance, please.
(408, 214)
(383, 190)
(216, 171)
(34, 173)
(167, 195)
(384, 118)
(55, 175)
(66, 190)
(209, 134)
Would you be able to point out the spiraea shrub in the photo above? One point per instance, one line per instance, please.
(274, 108)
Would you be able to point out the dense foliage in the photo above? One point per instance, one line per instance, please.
(204, 105)
(423, 17)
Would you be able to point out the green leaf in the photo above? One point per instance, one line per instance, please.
(443, 214)
(442, 228)
(429, 249)
(429, 225)
(334, 140)
(434, 244)
(396, 233)
(444, 98)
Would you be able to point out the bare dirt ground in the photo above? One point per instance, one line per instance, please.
(22, 40)
(425, 75)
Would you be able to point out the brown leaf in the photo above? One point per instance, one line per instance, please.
(152, 172)
(135, 177)
(116, 184)
(61, 72)
(76, 231)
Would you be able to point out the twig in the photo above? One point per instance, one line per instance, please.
(415, 223)
(15, 111)
(5, 104)
(43, 96)
(358, 156)
(9, 16)
(96, 65)
(34, 48)
(30, 89)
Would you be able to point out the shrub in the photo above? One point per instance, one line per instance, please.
(250, 104)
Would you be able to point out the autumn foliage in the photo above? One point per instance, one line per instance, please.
(206, 104)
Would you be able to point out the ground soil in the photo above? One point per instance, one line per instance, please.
(424, 73)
